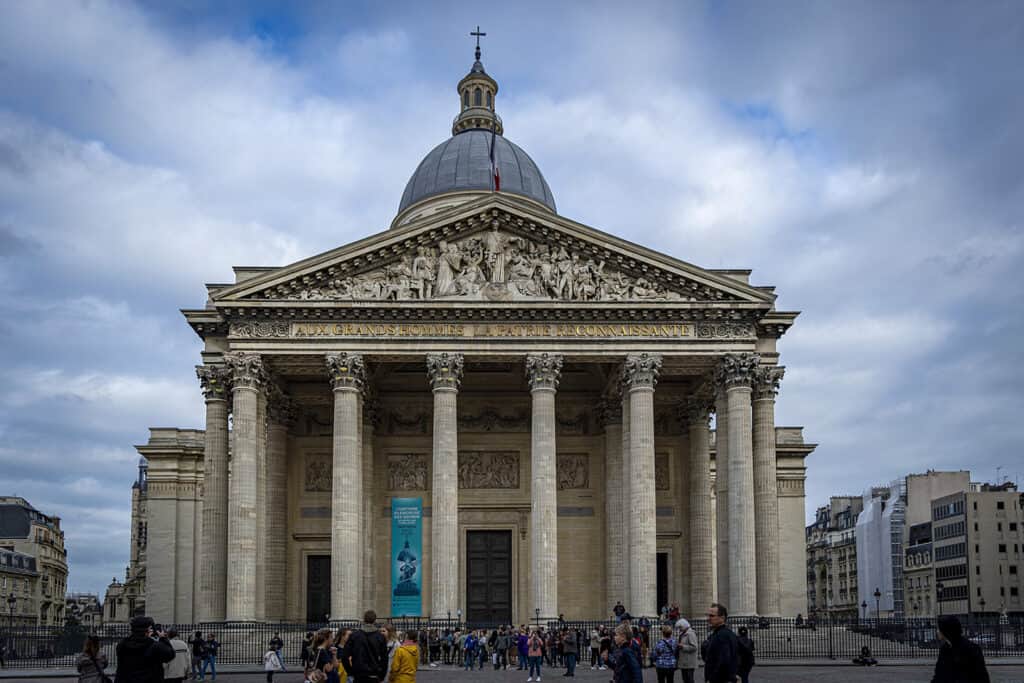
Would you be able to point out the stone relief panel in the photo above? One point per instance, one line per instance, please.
(573, 471)
(488, 469)
(414, 421)
(492, 265)
(408, 472)
(662, 473)
(493, 418)
(318, 472)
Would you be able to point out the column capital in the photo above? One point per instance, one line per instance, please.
(247, 370)
(345, 370)
(766, 381)
(543, 370)
(445, 371)
(609, 411)
(696, 410)
(281, 409)
(215, 381)
(737, 370)
(641, 370)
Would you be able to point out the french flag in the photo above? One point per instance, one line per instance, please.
(494, 162)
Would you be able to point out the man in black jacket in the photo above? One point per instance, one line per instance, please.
(960, 660)
(720, 651)
(368, 661)
(141, 656)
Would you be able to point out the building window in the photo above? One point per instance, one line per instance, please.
(975, 526)
(977, 570)
(465, 98)
(1013, 526)
(999, 526)
(1014, 592)
(488, 99)
(1002, 547)
(1013, 569)
(477, 97)
(1000, 505)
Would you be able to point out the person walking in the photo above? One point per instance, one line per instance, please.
(534, 653)
(720, 651)
(272, 663)
(469, 651)
(501, 645)
(606, 647)
(141, 656)
(197, 648)
(523, 649)
(91, 662)
(746, 655)
(624, 659)
(323, 663)
(390, 634)
(686, 639)
(570, 651)
(367, 651)
(960, 660)
(277, 645)
(663, 656)
(210, 657)
(307, 650)
(595, 648)
(176, 670)
(406, 660)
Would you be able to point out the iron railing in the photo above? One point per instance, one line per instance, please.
(774, 638)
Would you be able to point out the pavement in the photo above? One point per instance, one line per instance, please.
(770, 672)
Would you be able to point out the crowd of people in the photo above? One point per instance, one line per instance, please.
(374, 653)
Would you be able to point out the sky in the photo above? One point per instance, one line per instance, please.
(864, 158)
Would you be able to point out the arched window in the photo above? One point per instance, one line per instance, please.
(488, 99)
(465, 98)
(477, 97)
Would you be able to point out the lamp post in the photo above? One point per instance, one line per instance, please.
(938, 596)
(458, 614)
(536, 617)
(12, 601)
(878, 604)
(864, 609)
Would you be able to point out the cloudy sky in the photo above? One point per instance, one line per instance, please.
(864, 158)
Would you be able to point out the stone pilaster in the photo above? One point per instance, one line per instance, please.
(280, 417)
(736, 373)
(370, 502)
(766, 491)
(722, 498)
(543, 372)
(216, 385)
(248, 379)
(445, 371)
(615, 519)
(346, 372)
(639, 375)
(695, 415)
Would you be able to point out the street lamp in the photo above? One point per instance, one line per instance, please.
(938, 596)
(981, 603)
(12, 601)
(878, 604)
(864, 609)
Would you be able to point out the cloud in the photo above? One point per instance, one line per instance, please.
(863, 162)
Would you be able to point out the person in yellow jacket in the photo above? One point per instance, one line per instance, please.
(406, 661)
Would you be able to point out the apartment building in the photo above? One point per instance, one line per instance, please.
(23, 529)
(19, 583)
(832, 558)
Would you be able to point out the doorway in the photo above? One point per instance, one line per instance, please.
(318, 588)
(662, 580)
(489, 577)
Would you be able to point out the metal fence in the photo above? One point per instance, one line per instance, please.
(774, 638)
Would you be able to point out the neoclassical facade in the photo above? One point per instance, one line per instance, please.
(545, 388)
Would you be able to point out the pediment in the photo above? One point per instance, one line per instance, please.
(494, 249)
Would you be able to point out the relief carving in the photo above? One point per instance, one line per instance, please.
(407, 472)
(662, 474)
(573, 471)
(488, 469)
(493, 419)
(318, 472)
(403, 422)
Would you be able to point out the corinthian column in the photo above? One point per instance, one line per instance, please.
(346, 371)
(369, 504)
(213, 558)
(543, 372)
(248, 379)
(639, 375)
(766, 490)
(445, 370)
(722, 498)
(737, 373)
(281, 416)
(614, 517)
(696, 414)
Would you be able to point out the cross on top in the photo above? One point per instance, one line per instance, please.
(478, 34)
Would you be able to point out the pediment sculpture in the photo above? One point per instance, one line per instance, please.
(493, 265)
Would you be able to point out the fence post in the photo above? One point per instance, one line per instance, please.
(831, 631)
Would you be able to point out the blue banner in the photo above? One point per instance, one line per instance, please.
(406, 557)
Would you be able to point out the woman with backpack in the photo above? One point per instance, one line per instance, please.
(663, 656)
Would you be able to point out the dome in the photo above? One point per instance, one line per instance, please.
(463, 163)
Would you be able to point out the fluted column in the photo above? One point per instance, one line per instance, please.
(280, 417)
(445, 371)
(722, 497)
(639, 375)
(696, 414)
(346, 372)
(248, 379)
(737, 374)
(369, 504)
(261, 505)
(614, 516)
(627, 597)
(766, 491)
(215, 382)
(543, 372)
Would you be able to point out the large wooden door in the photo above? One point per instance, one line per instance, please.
(662, 580)
(318, 588)
(489, 577)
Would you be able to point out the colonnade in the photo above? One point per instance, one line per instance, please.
(247, 512)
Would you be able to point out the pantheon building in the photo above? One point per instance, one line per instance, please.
(544, 391)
